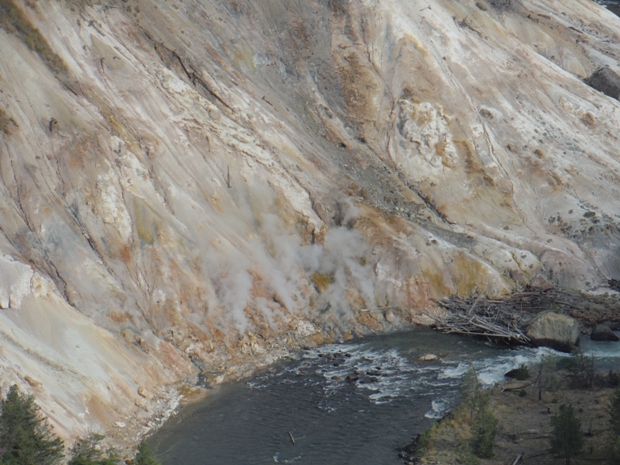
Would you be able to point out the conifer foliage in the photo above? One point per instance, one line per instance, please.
(144, 456)
(27, 439)
(614, 423)
(25, 436)
(614, 413)
(567, 437)
(484, 421)
(90, 451)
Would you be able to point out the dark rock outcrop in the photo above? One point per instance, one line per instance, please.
(605, 80)
(521, 373)
(602, 332)
(549, 329)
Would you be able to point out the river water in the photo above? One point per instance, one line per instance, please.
(612, 5)
(334, 420)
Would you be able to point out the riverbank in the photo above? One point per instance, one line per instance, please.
(523, 410)
(351, 404)
(319, 392)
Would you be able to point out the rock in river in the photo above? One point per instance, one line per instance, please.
(549, 329)
(602, 332)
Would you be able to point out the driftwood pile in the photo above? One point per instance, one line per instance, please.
(504, 320)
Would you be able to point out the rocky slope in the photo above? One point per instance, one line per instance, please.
(195, 186)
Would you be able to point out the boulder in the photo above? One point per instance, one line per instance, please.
(606, 81)
(549, 329)
(603, 332)
(33, 382)
(144, 393)
(521, 373)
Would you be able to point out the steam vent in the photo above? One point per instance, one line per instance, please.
(205, 186)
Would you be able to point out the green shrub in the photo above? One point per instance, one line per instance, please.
(566, 438)
(581, 371)
(484, 422)
(552, 383)
(485, 429)
(472, 395)
(614, 423)
(614, 452)
(522, 373)
(144, 456)
(25, 436)
(90, 451)
(466, 455)
(424, 442)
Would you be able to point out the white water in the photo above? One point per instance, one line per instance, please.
(393, 397)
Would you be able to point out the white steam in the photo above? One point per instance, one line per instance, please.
(232, 283)
(275, 256)
(344, 259)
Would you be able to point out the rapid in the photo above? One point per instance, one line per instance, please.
(352, 403)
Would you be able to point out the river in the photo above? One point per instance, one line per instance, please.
(611, 5)
(334, 420)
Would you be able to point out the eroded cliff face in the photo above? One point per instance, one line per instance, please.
(205, 185)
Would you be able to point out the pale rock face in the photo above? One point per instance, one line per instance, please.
(15, 278)
(550, 329)
(207, 185)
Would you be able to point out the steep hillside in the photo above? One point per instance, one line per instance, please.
(205, 185)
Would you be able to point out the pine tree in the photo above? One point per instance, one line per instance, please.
(614, 423)
(614, 451)
(90, 451)
(25, 436)
(485, 429)
(144, 456)
(484, 423)
(567, 437)
(614, 412)
(472, 394)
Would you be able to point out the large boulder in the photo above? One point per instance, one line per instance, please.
(549, 329)
(603, 332)
(605, 80)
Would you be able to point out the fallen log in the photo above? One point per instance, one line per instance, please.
(503, 320)
(494, 326)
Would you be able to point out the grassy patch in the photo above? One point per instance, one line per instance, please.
(448, 441)
(13, 20)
